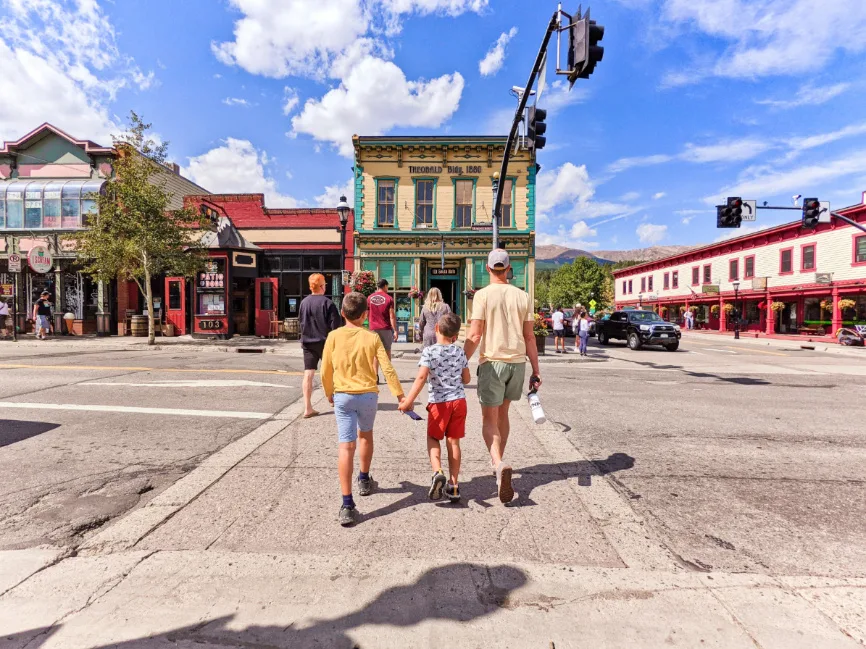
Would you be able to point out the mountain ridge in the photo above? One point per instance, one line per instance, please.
(555, 255)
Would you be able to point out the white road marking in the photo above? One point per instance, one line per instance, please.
(697, 353)
(177, 412)
(204, 383)
(722, 351)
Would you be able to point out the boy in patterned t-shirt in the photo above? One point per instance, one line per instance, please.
(445, 366)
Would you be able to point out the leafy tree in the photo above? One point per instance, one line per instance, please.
(134, 235)
(579, 282)
(542, 288)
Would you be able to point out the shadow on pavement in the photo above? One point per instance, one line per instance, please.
(12, 430)
(460, 592)
(480, 489)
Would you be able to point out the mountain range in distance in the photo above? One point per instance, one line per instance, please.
(554, 256)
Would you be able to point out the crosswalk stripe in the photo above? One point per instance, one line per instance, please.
(176, 412)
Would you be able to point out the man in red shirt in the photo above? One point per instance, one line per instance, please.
(382, 317)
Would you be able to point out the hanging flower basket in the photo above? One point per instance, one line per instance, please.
(847, 304)
(470, 293)
(364, 281)
(539, 327)
(416, 294)
(762, 306)
(826, 305)
(682, 309)
(777, 307)
(715, 310)
(729, 308)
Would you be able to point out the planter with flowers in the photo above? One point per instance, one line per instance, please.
(827, 306)
(470, 293)
(715, 310)
(364, 281)
(777, 307)
(539, 328)
(416, 294)
(846, 304)
(729, 308)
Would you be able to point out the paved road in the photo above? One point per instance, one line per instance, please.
(86, 437)
(715, 496)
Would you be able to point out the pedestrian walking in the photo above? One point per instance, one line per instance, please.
(558, 320)
(502, 327)
(434, 308)
(382, 318)
(318, 316)
(42, 315)
(582, 330)
(4, 316)
(445, 367)
(690, 319)
(349, 382)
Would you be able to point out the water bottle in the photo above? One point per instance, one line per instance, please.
(535, 402)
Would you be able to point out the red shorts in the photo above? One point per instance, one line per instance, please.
(447, 419)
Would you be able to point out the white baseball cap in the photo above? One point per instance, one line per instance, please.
(498, 259)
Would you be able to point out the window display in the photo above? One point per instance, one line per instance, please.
(211, 286)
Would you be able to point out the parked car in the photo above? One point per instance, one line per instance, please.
(566, 322)
(639, 328)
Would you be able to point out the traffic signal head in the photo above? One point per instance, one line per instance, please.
(730, 215)
(584, 52)
(811, 212)
(536, 128)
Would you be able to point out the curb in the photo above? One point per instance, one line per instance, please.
(132, 528)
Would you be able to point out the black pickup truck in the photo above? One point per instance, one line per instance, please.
(639, 328)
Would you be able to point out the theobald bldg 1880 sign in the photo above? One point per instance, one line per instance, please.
(423, 211)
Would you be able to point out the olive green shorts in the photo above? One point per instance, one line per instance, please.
(498, 381)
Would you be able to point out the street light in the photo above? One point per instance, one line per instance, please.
(495, 215)
(736, 311)
(343, 212)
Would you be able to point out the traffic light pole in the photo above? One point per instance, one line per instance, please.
(859, 226)
(518, 117)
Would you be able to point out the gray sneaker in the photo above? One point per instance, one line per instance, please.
(366, 487)
(348, 516)
(503, 483)
(437, 484)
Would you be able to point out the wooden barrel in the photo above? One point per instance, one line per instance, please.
(138, 326)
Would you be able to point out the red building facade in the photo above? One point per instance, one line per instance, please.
(785, 280)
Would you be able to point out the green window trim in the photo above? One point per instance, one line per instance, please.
(396, 182)
(359, 198)
(415, 181)
(530, 197)
(511, 217)
(474, 180)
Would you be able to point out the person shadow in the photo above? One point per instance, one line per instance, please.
(459, 592)
(482, 489)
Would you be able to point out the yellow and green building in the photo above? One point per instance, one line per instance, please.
(424, 214)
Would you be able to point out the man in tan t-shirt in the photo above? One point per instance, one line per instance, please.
(502, 323)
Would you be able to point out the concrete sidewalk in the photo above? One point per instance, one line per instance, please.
(774, 343)
(245, 551)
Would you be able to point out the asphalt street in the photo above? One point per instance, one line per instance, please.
(87, 437)
(713, 496)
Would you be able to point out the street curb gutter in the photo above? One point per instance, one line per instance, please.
(131, 529)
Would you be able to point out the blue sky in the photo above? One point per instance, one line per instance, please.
(694, 100)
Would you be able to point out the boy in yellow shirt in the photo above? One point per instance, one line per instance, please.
(349, 381)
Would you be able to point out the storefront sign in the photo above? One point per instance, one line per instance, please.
(482, 226)
(823, 278)
(39, 259)
(213, 277)
(205, 325)
(454, 170)
(244, 260)
(759, 284)
(449, 272)
(6, 290)
(14, 263)
(712, 289)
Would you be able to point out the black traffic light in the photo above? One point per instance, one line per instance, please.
(536, 128)
(731, 214)
(811, 213)
(584, 52)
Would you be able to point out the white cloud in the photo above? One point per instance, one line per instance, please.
(235, 101)
(624, 164)
(651, 233)
(770, 37)
(731, 150)
(237, 167)
(61, 60)
(807, 96)
(821, 139)
(630, 196)
(331, 196)
(767, 182)
(356, 106)
(495, 57)
(290, 100)
(577, 236)
(659, 195)
(280, 38)
(686, 220)
(558, 96)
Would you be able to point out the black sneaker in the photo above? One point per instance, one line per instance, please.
(452, 492)
(436, 486)
(348, 516)
(365, 487)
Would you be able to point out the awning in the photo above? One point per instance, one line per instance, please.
(48, 188)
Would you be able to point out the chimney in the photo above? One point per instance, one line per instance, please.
(173, 167)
